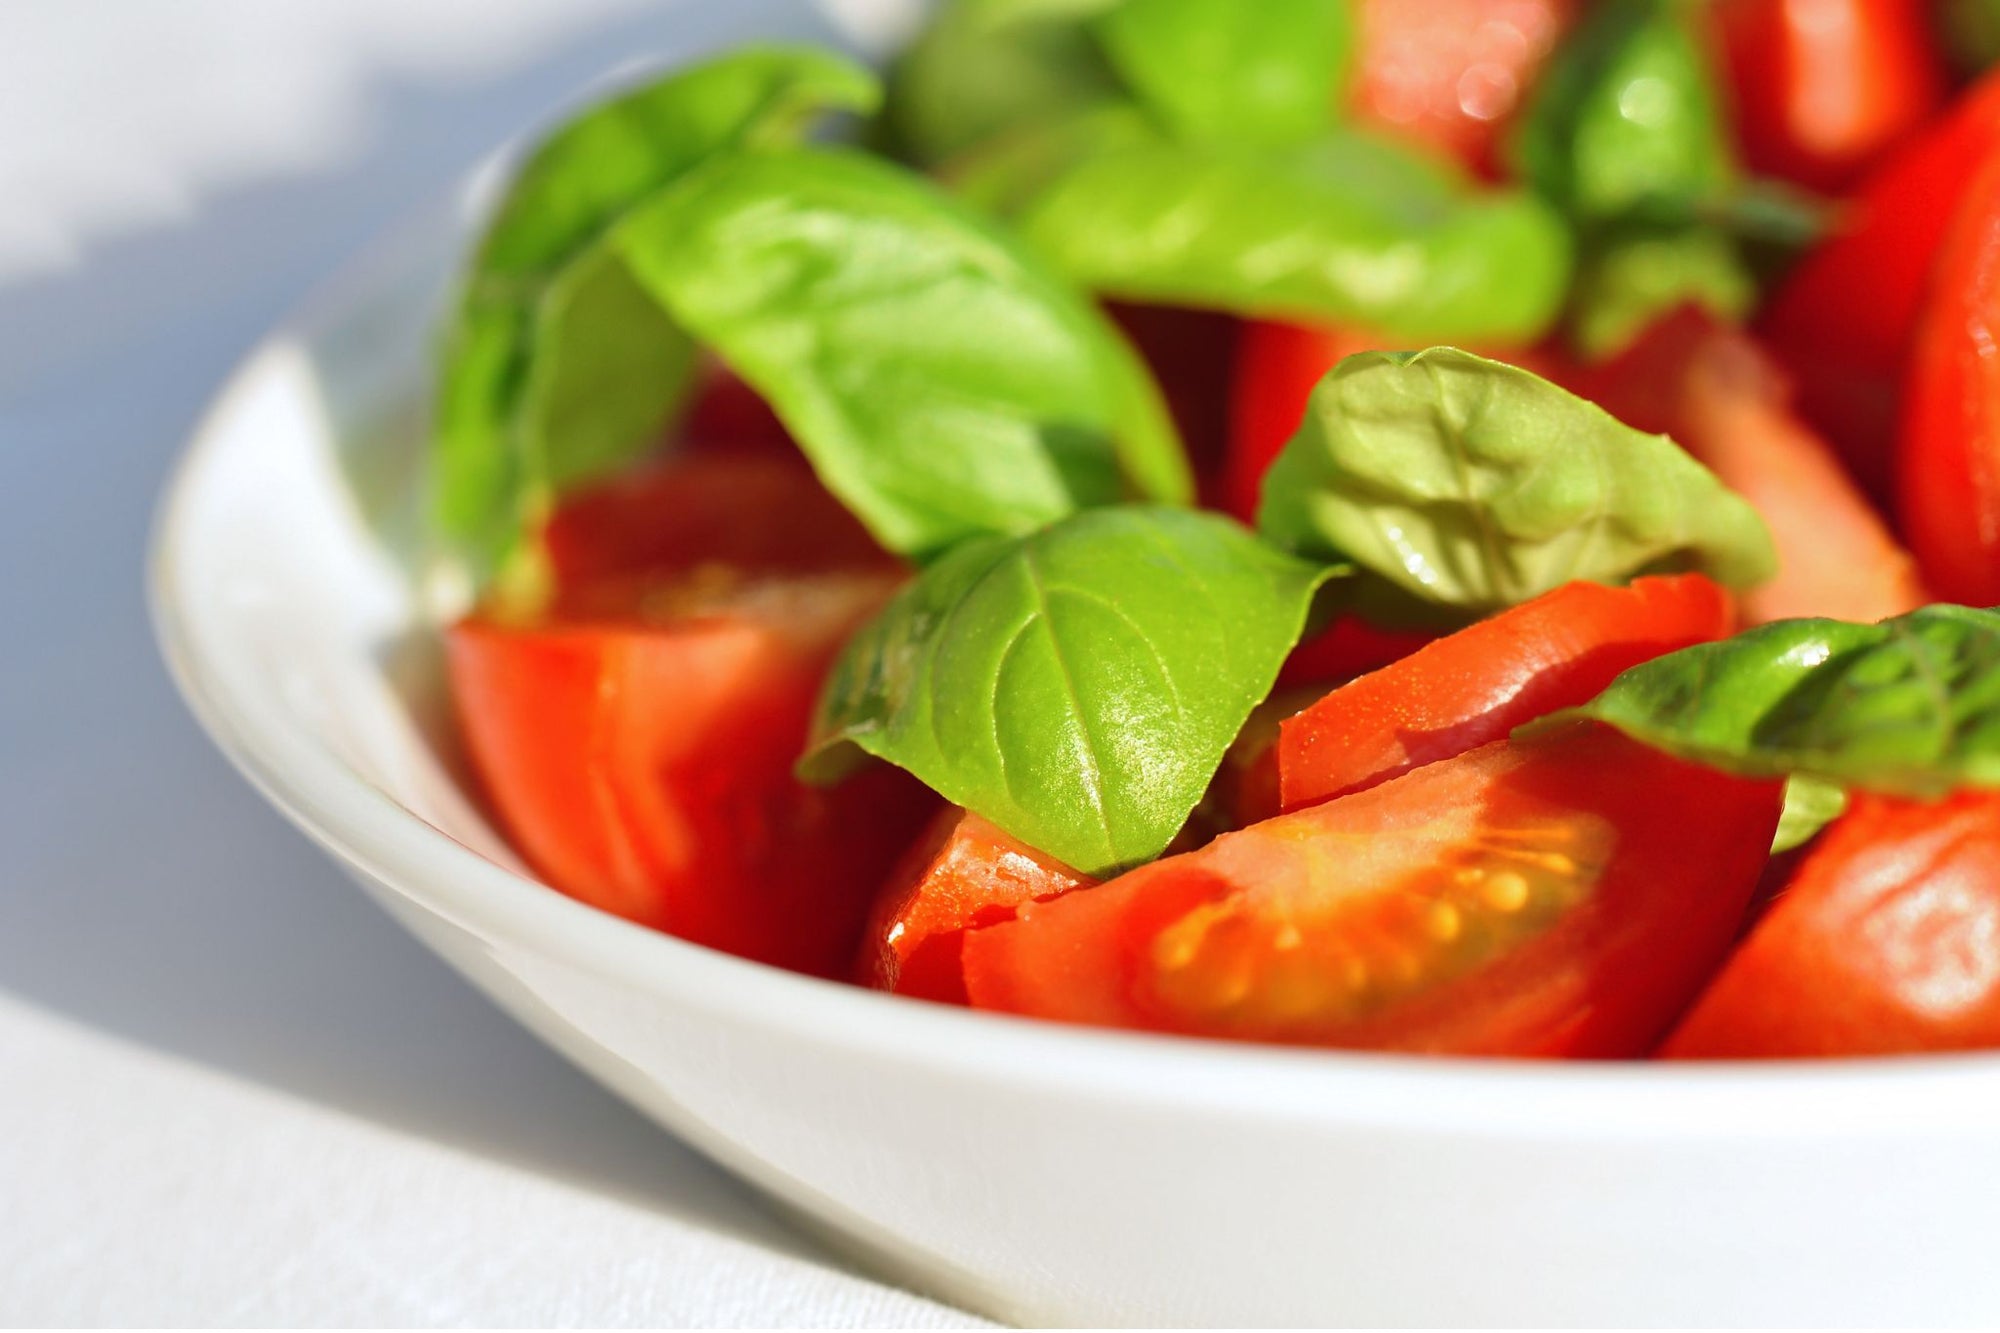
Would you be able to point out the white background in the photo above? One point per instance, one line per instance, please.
(230, 1089)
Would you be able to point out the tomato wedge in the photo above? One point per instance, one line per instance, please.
(1723, 399)
(1450, 74)
(637, 742)
(1822, 87)
(1948, 458)
(1277, 366)
(965, 872)
(1883, 942)
(1844, 319)
(1475, 686)
(1559, 895)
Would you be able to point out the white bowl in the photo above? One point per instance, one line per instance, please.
(1036, 1173)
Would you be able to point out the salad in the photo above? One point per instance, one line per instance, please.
(1453, 526)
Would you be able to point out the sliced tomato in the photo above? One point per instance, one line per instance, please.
(1718, 393)
(1560, 895)
(1844, 319)
(638, 741)
(1822, 87)
(1948, 456)
(728, 416)
(1450, 74)
(1475, 686)
(1883, 942)
(1277, 367)
(1192, 354)
(963, 873)
(1345, 649)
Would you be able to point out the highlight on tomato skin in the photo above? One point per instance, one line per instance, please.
(963, 873)
(1450, 74)
(1948, 455)
(1475, 686)
(1821, 88)
(1563, 895)
(1882, 943)
(1843, 320)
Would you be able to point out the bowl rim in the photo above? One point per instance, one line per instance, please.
(363, 827)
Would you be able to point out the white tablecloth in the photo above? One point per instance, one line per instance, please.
(230, 1090)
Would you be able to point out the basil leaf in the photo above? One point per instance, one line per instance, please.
(1971, 32)
(1269, 72)
(1909, 707)
(1347, 230)
(1627, 113)
(1478, 485)
(1077, 686)
(980, 69)
(943, 384)
(510, 429)
(1810, 805)
(1636, 274)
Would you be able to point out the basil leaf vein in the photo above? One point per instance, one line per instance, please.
(1477, 485)
(1079, 685)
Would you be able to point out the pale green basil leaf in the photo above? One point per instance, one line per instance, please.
(1627, 112)
(1908, 707)
(506, 423)
(1077, 686)
(1268, 72)
(943, 383)
(1348, 230)
(1006, 173)
(1810, 805)
(979, 69)
(1632, 275)
(1477, 485)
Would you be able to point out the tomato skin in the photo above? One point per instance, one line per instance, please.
(1882, 943)
(1277, 366)
(1843, 320)
(1449, 74)
(637, 740)
(1822, 87)
(1948, 458)
(1562, 895)
(1192, 354)
(1557, 651)
(963, 872)
(1724, 400)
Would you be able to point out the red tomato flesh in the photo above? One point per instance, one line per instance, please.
(1822, 87)
(1845, 317)
(1560, 895)
(1449, 74)
(1477, 685)
(1948, 457)
(1722, 398)
(637, 742)
(1884, 942)
(963, 873)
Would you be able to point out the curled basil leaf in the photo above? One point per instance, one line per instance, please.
(1632, 275)
(556, 369)
(942, 382)
(1077, 686)
(1477, 485)
(1349, 229)
(1909, 707)
(1810, 805)
(1268, 72)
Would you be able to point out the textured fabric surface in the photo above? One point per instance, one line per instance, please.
(231, 1091)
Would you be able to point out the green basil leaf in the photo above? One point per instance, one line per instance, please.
(943, 383)
(1810, 805)
(1971, 32)
(1348, 230)
(1269, 72)
(980, 69)
(1634, 274)
(1477, 485)
(1627, 112)
(512, 425)
(1077, 686)
(1909, 707)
